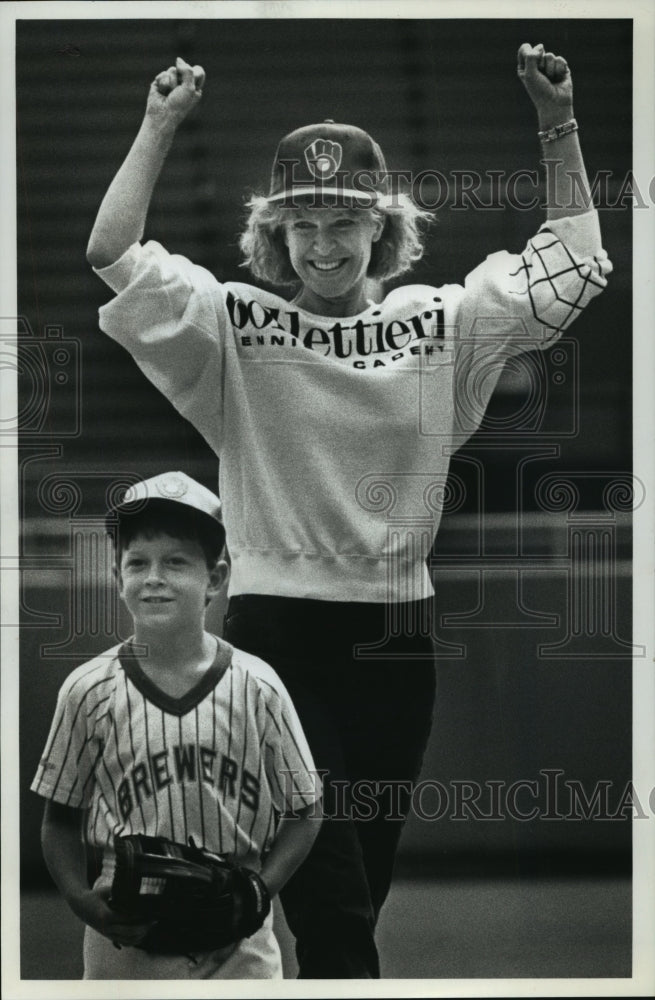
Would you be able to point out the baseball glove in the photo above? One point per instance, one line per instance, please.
(198, 901)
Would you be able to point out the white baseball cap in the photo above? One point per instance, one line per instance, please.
(169, 487)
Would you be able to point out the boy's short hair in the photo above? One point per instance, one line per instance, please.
(170, 504)
(399, 247)
(161, 517)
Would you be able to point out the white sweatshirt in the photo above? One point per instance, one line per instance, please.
(335, 435)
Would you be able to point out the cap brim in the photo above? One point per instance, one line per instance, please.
(324, 195)
(115, 515)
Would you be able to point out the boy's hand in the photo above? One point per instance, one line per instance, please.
(547, 79)
(93, 908)
(174, 92)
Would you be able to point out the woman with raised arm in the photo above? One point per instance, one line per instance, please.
(334, 417)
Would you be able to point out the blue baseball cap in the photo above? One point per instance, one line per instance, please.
(328, 162)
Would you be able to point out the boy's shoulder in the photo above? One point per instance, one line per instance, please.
(261, 672)
(95, 672)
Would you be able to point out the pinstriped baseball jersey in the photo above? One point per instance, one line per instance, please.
(219, 764)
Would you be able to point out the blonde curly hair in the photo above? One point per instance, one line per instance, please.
(399, 247)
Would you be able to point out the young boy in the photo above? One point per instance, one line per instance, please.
(334, 418)
(173, 733)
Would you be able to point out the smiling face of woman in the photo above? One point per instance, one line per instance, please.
(330, 250)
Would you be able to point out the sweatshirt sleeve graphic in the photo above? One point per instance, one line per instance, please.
(521, 302)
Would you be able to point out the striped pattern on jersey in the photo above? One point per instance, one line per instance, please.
(220, 764)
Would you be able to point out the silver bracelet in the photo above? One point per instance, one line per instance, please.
(557, 131)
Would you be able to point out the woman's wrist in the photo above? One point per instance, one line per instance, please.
(159, 130)
(554, 115)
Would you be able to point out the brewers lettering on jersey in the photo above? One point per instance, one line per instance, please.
(213, 765)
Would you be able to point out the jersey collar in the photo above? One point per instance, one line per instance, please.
(175, 706)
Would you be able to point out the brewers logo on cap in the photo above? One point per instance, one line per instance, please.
(171, 487)
(323, 158)
(328, 159)
(175, 487)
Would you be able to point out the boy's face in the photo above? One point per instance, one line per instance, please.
(165, 582)
(330, 249)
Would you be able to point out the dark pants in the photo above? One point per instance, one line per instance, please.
(367, 717)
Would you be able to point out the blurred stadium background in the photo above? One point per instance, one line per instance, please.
(532, 576)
